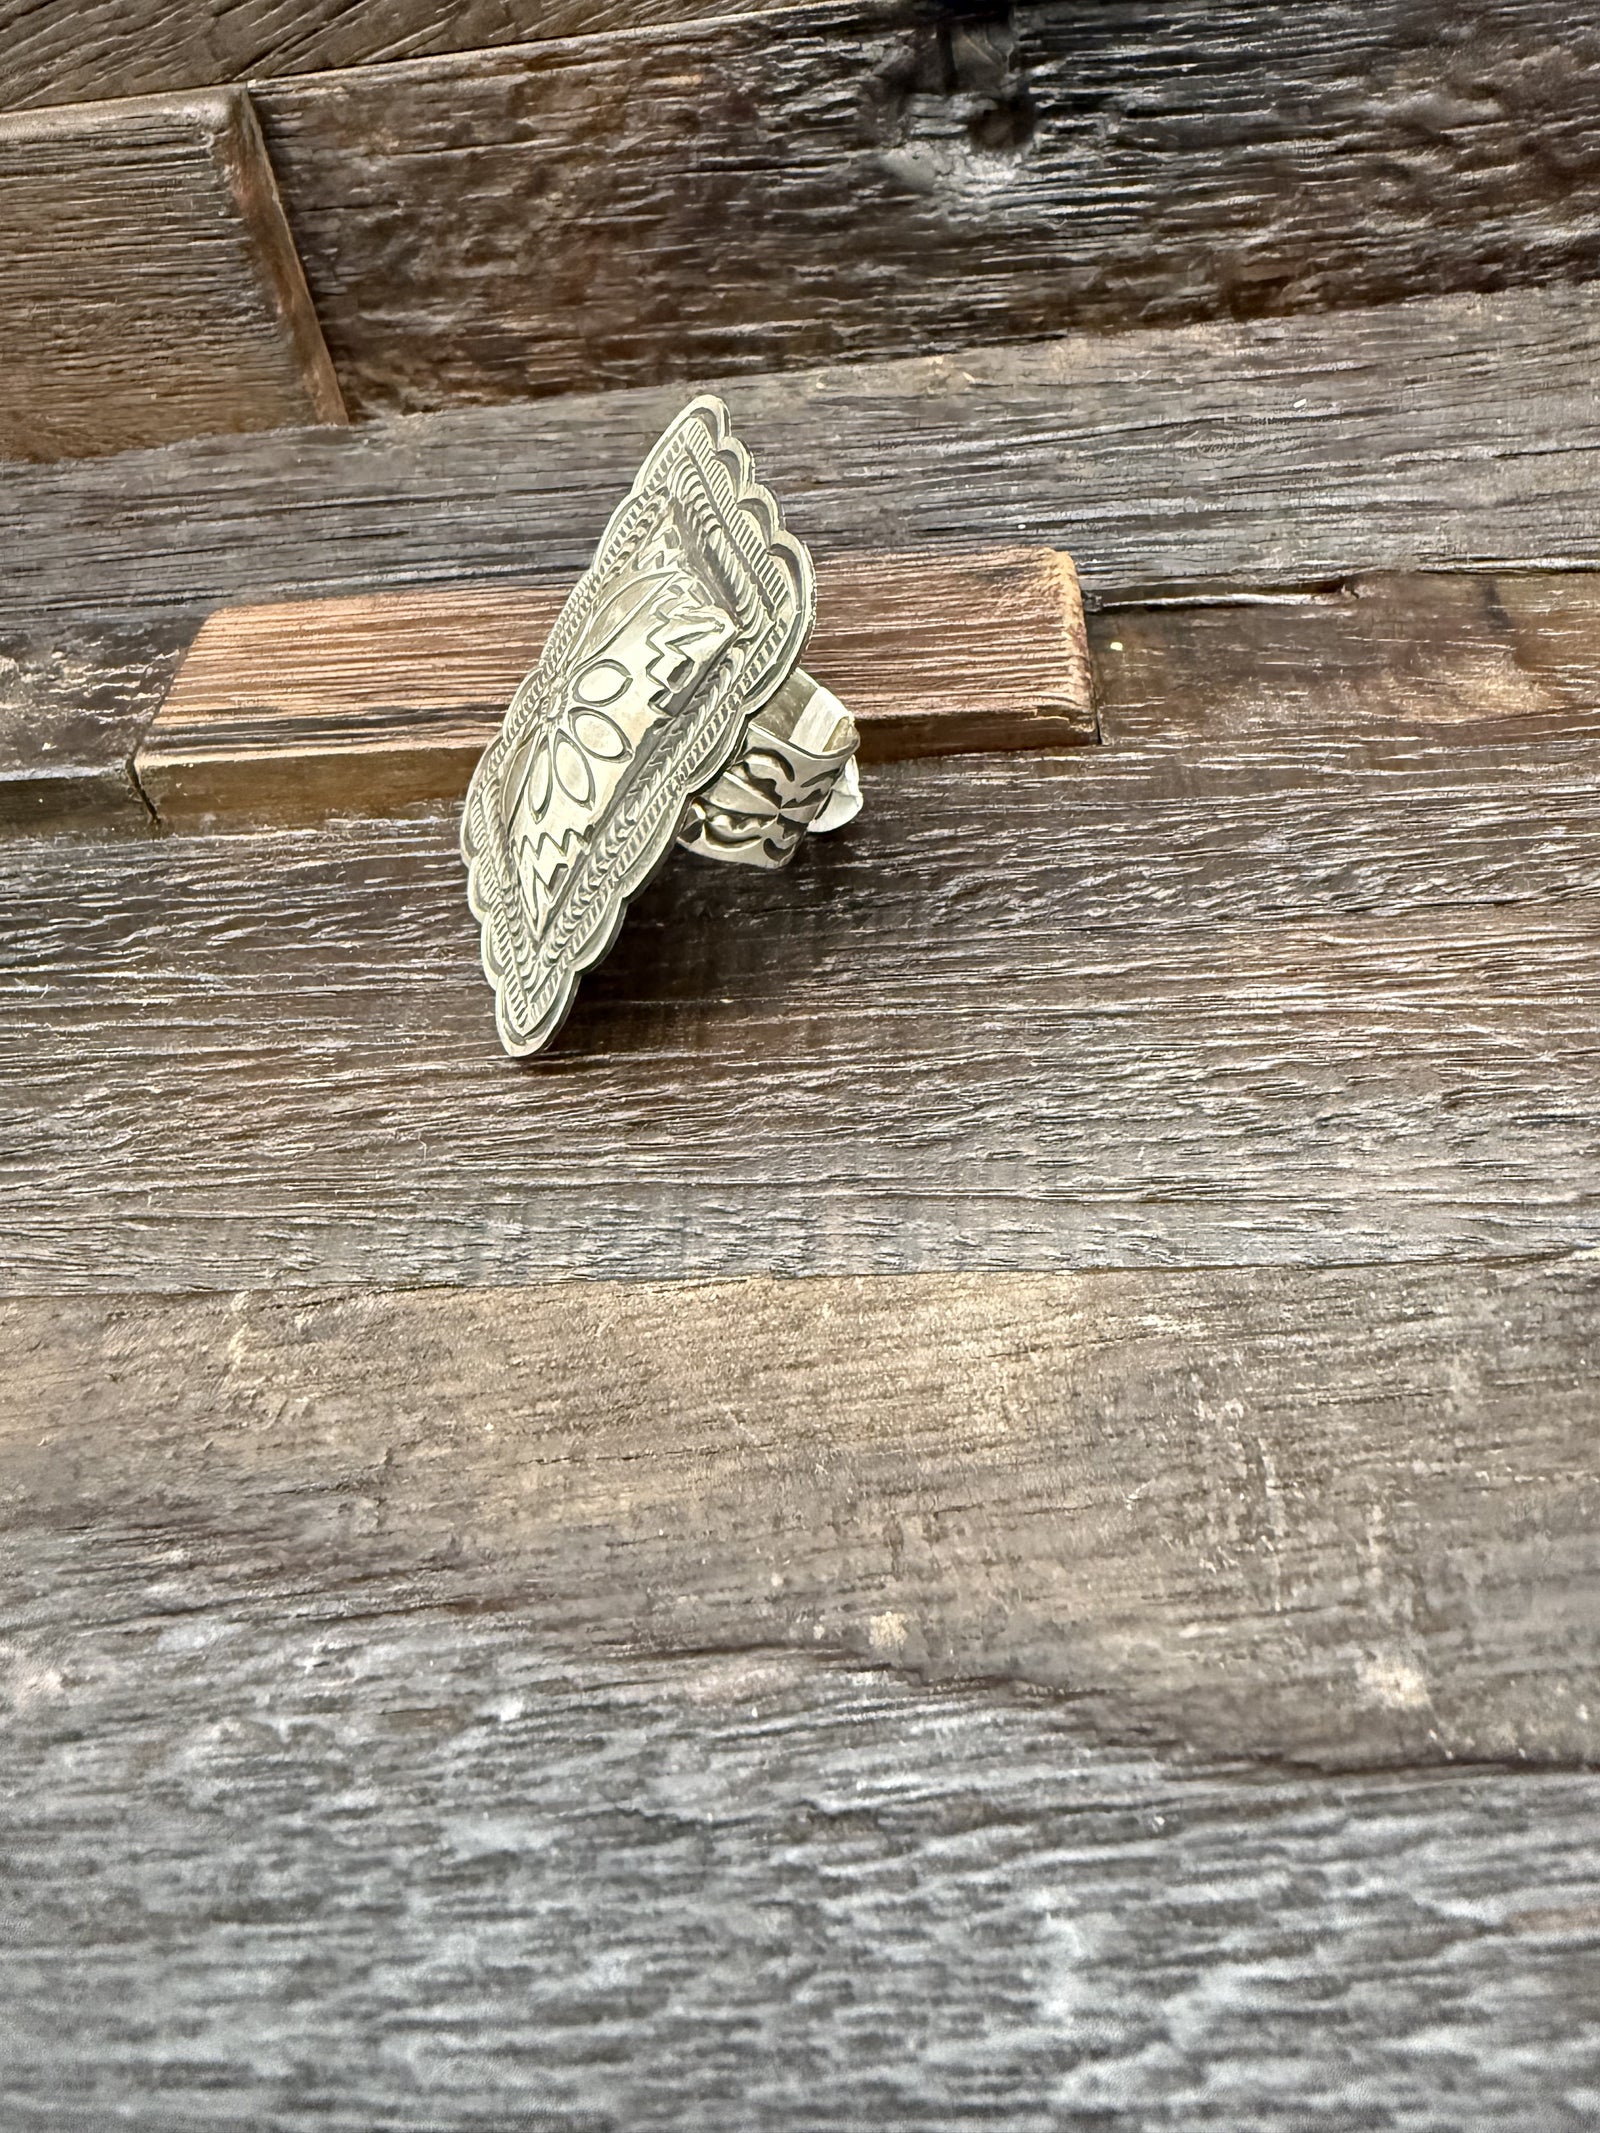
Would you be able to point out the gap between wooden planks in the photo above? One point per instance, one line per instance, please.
(368, 705)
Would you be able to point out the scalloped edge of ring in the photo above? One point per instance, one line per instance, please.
(668, 706)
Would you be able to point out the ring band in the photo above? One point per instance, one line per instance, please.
(795, 772)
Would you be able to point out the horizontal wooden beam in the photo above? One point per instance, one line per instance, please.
(724, 1891)
(1376, 422)
(1346, 1516)
(1332, 1002)
(808, 185)
(295, 712)
(1449, 433)
(764, 191)
(149, 288)
(140, 46)
(1450, 659)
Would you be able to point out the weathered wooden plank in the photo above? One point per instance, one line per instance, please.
(149, 288)
(1165, 457)
(293, 712)
(62, 51)
(1442, 433)
(1030, 1012)
(1394, 664)
(1347, 1516)
(1459, 659)
(830, 183)
(342, 1858)
(75, 696)
(364, 705)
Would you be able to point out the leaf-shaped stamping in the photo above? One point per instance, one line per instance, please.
(599, 736)
(573, 774)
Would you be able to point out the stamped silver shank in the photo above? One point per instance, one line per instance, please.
(668, 705)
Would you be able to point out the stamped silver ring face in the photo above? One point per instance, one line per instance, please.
(668, 701)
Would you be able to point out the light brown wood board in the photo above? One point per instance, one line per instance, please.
(149, 287)
(1393, 666)
(311, 708)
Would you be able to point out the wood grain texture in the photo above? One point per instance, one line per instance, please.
(1348, 1516)
(339, 1857)
(75, 696)
(149, 288)
(67, 51)
(1165, 459)
(367, 705)
(295, 712)
(1443, 433)
(1388, 664)
(1029, 1012)
(758, 191)
(1462, 659)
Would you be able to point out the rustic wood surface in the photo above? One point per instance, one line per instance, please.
(76, 694)
(1101, 1008)
(758, 192)
(149, 288)
(1347, 1516)
(1163, 459)
(1381, 661)
(282, 1857)
(1464, 658)
(357, 706)
(1385, 662)
(66, 51)
(1443, 433)
(432, 1609)
(292, 712)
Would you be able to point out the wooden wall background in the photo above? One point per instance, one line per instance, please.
(976, 1505)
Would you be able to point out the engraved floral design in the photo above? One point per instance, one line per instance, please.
(698, 602)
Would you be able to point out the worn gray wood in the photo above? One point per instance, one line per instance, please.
(75, 696)
(1029, 1012)
(288, 1856)
(1440, 433)
(66, 51)
(1347, 1516)
(149, 288)
(830, 183)
(1460, 659)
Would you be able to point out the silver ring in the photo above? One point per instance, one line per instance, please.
(669, 707)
